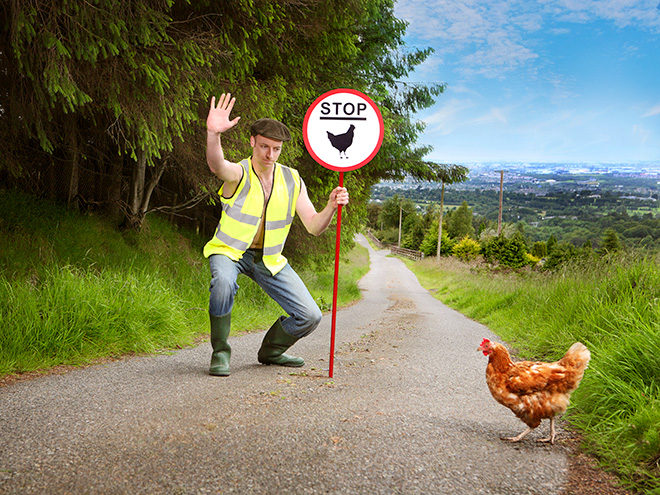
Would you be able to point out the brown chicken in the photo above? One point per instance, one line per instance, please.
(534, 390)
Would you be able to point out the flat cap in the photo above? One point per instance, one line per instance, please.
(270, 128)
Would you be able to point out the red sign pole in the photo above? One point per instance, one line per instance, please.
(336, 284)
(330, 124)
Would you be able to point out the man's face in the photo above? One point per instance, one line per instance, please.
(265, 151)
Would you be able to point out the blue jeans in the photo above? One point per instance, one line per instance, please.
(286, 288)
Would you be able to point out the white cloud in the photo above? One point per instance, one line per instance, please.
(653, 111)
(518, 86)
(494, 116)
(430, 69)
(641, 13)
(497, 58)
(493, 37)
(449, 117)
(484, 38)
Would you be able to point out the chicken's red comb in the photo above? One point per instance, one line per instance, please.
(485, 341)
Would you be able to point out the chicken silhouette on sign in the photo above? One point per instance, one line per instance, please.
(342, 141)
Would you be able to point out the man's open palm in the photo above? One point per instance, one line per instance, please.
(218, 119)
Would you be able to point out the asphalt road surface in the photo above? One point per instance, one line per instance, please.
(407, 411)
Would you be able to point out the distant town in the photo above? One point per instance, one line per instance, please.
(652, 168)
(641, 180)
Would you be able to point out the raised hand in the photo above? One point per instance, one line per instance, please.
(218, 119)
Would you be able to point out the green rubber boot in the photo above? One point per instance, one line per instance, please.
(275, 343)
(220, 326)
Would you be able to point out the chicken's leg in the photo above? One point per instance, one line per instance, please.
(553, 433)
(519, 437)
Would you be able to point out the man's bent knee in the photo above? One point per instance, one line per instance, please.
(307, 323)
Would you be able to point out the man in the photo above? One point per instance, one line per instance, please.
(259, 200)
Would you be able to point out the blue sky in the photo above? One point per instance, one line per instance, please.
(539, 80)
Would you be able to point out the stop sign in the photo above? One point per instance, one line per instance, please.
(343, 130)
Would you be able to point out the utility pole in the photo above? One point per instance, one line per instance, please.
(442, 207)
(499, 218)
(400, 215)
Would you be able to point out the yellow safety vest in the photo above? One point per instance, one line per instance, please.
(241, 216)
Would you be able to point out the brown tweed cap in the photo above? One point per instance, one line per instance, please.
(270, 128)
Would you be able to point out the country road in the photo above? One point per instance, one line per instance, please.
(407, 411)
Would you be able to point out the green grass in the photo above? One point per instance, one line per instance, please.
(73, 289)
(613, 307)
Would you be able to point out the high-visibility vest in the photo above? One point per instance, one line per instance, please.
(241, 216)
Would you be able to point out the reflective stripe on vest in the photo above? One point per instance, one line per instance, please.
(242, 212)
(272, 225)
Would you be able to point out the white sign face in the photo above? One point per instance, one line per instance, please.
(343, 130)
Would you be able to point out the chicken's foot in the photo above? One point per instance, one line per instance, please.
(517, 438)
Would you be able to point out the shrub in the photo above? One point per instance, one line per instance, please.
(466, 249)
(531, 259)
(389, 236)
(566, 253)
(540, 249)
(506, 251)
(610, 241)
(429, 245)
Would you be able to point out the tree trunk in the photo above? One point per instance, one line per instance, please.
(134, 218)
(141, 190)
(72, 199)
(151, 185)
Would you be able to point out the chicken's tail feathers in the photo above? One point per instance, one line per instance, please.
(577, 357)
